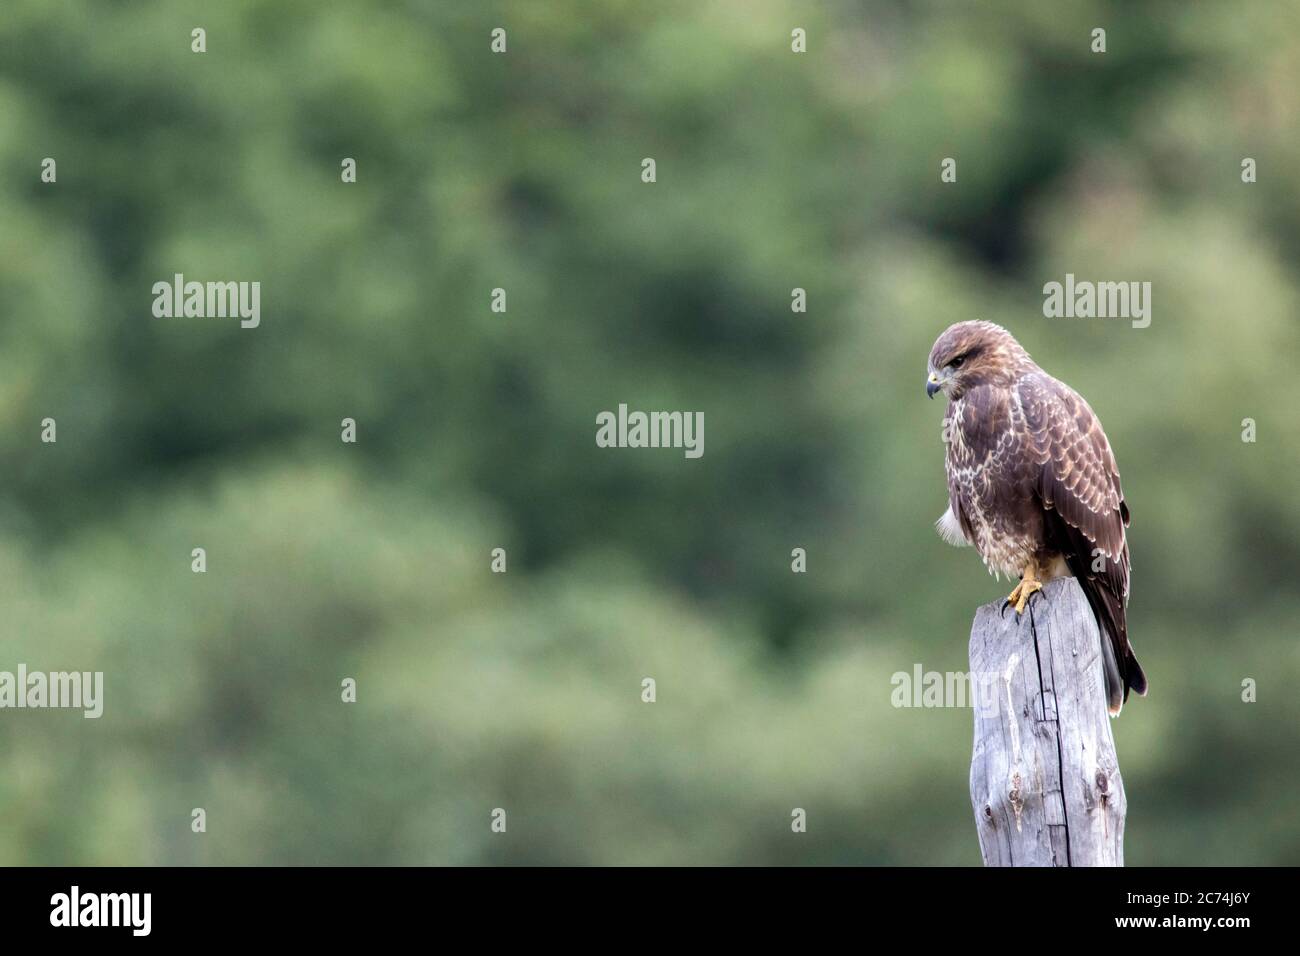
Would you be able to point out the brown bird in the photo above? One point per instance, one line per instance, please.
(1033, 485)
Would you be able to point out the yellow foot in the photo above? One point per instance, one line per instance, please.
(1022, 593)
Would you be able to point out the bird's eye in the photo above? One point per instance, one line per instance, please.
(956, 363)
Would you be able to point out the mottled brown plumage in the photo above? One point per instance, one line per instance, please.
(1032, 482)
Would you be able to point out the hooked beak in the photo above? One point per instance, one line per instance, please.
(932, 385)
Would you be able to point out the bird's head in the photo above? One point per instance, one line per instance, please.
(970, 354)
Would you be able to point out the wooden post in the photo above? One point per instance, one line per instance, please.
(1044, 779)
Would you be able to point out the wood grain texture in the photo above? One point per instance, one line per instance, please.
(1044, 779)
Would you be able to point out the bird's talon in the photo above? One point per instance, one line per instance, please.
(1024, 591)
(1026, 594)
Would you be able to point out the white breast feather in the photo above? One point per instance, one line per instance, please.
(949, 529)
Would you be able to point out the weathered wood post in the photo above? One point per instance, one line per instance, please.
(1044, 779)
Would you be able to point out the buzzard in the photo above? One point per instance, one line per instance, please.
(1033, 485)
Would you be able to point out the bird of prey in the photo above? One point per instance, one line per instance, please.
(1033, 485)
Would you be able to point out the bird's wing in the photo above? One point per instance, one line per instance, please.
(1085, 513)
(1079, 479)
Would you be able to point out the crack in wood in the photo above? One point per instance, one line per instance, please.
(1050, 745)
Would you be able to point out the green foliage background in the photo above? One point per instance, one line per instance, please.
(476, 430)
